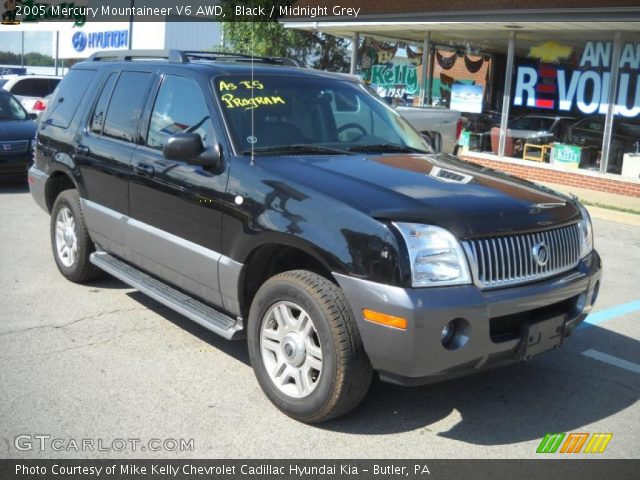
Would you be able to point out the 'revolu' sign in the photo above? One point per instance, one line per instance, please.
(586, 88)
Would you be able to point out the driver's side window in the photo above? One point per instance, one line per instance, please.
(179, 107)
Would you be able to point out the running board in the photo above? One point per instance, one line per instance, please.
(211, 319)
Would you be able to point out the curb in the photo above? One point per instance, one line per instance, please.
(614, 216)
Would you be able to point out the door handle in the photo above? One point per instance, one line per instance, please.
(82, 149)
(143, 169)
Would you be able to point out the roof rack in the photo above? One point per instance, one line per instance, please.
(175, 56)
(239, 57)
(180, 56)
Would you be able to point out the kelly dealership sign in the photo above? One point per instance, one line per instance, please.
(585, 88)
(395, 80)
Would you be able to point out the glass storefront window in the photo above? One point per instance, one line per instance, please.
(624, 151)
(559, 92)
(460, 79)
(391, 69)
(560, 98)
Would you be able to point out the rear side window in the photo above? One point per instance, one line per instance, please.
(73, 88)
(53, 83)
(34, 87)
(100, 112)
(29, 87)
(126, 105)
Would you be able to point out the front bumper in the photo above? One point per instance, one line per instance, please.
(15, 165)
(490, 322)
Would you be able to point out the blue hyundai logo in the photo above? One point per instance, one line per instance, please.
(79, 41)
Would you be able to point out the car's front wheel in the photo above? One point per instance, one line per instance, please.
(305, 347)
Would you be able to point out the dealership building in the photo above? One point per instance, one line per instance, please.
(81, 42)
(76, 42)
(550, 90)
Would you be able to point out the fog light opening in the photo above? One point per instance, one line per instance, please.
(594, 294)
(447, 333)
(455, 334)
(581, 303)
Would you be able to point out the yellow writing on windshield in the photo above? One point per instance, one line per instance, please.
(231, 101)
(247, 84)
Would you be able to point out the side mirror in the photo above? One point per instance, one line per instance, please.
(33, 116)
(210, 158)
(183, 146)
(188, 147)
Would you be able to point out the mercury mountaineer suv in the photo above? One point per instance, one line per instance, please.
(293, 207)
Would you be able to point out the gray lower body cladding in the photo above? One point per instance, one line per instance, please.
(179, 262)
(37, 183)
(204, 273)
(489, 323)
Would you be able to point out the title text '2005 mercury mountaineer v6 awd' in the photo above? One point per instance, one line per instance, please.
(294, 207)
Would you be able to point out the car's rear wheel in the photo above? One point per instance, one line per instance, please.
(70, 239)
(305, 347)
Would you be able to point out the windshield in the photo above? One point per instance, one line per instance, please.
(319, 115)
(10, 108)
(533, 123)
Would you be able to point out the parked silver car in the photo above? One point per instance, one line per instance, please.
(30, 90)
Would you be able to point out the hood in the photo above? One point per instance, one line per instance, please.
(12, 130)
(466, 198)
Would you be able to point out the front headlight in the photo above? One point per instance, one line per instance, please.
(436, 256)
(586, 232)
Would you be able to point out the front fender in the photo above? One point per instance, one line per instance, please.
(279, 211)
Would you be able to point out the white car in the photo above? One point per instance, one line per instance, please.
(30, 90)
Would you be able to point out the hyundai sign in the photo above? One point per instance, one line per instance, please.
(100, 40)
(82, 42)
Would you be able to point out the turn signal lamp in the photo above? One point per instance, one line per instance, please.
(384, 319)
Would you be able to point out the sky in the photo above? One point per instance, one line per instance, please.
(40, 42)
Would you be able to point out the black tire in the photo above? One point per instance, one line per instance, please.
(81, 269)
(346, 371)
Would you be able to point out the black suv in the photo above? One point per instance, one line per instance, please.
(294, 207)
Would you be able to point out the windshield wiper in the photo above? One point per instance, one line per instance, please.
(385, 147)
(286, 149)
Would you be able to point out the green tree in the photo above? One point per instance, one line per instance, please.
(330, 52)
(266, 39)
(318, 50)
(262, 36)
(31, 58)
(9, 58)
(38, 59)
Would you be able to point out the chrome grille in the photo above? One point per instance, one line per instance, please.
(11, 148)
(509, 260)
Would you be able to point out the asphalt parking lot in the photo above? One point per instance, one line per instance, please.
(101, 361)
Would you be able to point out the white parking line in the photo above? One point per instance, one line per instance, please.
(611, 360)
